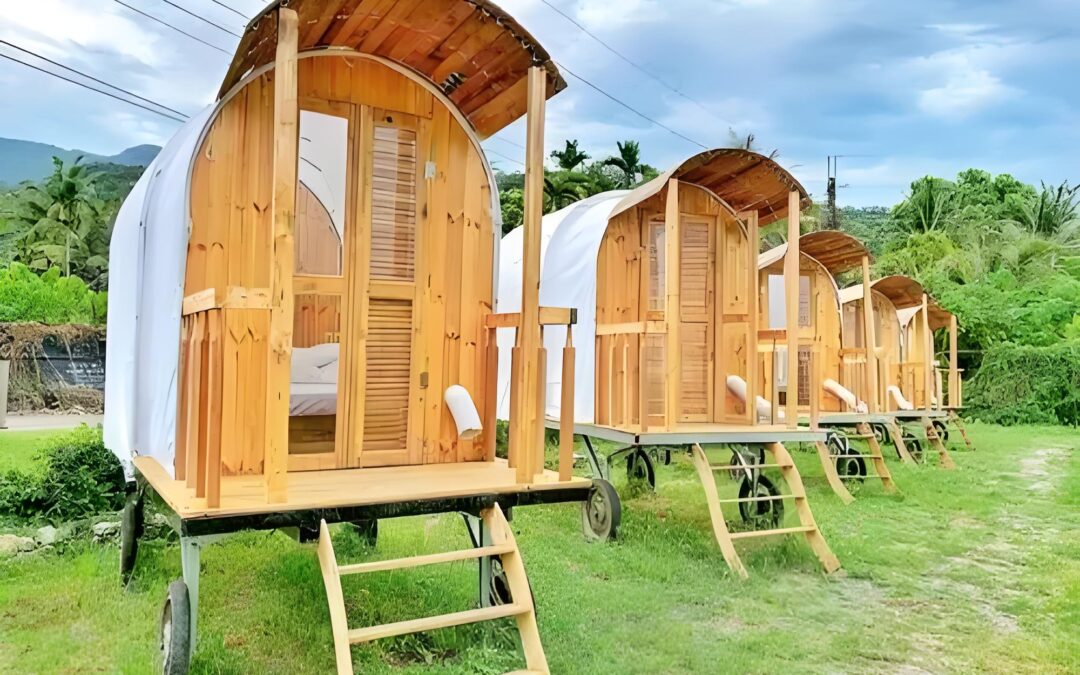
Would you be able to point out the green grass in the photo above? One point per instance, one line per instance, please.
(18, 449)
(972, 570)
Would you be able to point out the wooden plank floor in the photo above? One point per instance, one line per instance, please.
(244, 495)
(696, 432)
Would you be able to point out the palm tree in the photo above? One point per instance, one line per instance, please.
(737, 141)
(1053, 210)
(929, 207)
(628, 163)
(570, 157)
(563, 188)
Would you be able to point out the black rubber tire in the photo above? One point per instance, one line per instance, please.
(881, 435)
(367, 530)
(308, 534)
(755, 512)
(131, 528)
(175, 630)
(837, 442)
(640, 469)
(601, 513)
(942, 430)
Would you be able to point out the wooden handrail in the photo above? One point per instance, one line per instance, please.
(549, 316)
(231, 297)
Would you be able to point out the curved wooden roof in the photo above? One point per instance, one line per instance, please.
(471, 50)
(902, 291)
(836, 251)
(745, 180)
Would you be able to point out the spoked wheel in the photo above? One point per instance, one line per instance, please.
(176, 630)
(131, 528)
(761, 514)
(660, 456)
(838, 444)
(850, 465)
(880, 433)
(942, 430)
(914, 448)
(601, 513)
(499, 592)
(640, 469)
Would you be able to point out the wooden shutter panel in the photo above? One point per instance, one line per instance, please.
(389, 346)
(393, 204)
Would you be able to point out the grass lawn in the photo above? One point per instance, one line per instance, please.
(976, 569)
(18, 448)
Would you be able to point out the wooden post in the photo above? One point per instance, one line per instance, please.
(954, 372)
(753, 320)
(528, 335)
(566, 408)
(283, 209)
(928, 356)
(870, 339)
(672, 306)
(791, 284)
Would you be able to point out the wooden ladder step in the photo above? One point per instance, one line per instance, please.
(729, 467)
(853, 456)
(771, 498)
(421, 560)
(750, 534)
(361, 635)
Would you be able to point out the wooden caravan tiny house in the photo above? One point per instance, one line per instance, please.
(665, 281)
(828, 375)
(314, 324)
(905, 374)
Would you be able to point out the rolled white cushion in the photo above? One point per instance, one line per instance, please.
(317, 356)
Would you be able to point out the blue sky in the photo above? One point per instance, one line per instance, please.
(901, 88)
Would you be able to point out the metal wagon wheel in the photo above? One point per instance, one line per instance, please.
(601, 513)
(131, 528)
(175, 630)
(942, 430)
(765, 513)
(914, 448)
(640, 469)
(851, 465)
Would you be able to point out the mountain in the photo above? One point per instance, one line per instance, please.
(27, 160)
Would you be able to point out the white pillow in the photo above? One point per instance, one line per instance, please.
(329, 372)
(304, 373)
(317, 356)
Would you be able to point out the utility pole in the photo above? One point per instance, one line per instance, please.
(832, 222)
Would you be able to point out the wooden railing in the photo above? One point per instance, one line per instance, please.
(221, 407)
(769, 344)
(531, 455)
(910, 377)
(854, 373)
(317, 309)
(622, 386)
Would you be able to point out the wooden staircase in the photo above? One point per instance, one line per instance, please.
(725, 538)
(502, 547)
(874, 456)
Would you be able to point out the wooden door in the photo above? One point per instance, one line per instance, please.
(392, 176)
(696, 257)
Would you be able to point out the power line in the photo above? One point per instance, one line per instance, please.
(499, 138)
(234, 11)
(499, 154)
(634, 64)
(201, 18)
(169, 25)
(630, 108)
(92, 78)
(86, 86)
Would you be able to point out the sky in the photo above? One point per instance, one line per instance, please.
(897, 89)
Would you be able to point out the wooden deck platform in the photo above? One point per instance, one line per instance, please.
(343, 488)
(700, 433)
(853, 418)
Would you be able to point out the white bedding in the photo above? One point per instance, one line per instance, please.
(312, 398)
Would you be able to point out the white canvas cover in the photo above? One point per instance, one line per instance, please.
(147, 257)
(569, 246)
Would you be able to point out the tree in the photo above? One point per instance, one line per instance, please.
(63, 223)
(570, 157)
(563, 188)
(628, 163)
(929, 207)
(512, 201)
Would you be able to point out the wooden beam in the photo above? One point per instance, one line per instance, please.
(672, 270)
(954, 370)
(752, 238)
(232, 297)
(548, 316)
(791, 285)
(631, 328)
(283, 210)
(928, 349)
(870, 340)
(529, 344)
(566, 409)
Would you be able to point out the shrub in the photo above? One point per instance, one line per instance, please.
(1023, 384)
(80, 477)
(49, 298)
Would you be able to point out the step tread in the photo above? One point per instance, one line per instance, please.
(421, 560)
(361, 635)
(749, 534)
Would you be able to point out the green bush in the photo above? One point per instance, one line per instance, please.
(49, 298)
(80, 478)
(1023, 384)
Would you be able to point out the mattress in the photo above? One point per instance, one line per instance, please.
(312, 398)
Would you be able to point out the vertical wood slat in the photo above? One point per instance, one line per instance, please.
(194, 394)
(491, 403)
(791, 286)
(752, 362)
(180, 457)
(528, 339)
(213, 414)
(283, 207)
(870, 339)
(672, 246)
(954, 372)
(928, 355)
(566, 408)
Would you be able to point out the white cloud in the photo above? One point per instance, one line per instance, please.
(966, 91)
(90, 25)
